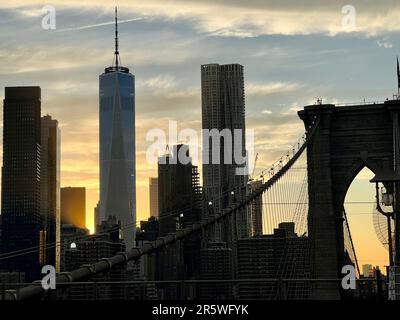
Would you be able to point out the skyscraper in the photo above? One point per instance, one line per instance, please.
(180, 206)
(178, 191)
(117, 146)
(223, 109)
(73, 206)
(153, 197)
(50, 191)
(21, 178)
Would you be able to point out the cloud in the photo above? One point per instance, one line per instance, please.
(162, 82)
(30, 12)
(166, 94)
(270, 88)
(90, 26)
(253, 18)
(35, 58)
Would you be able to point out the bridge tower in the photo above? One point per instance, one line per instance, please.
(348, 138)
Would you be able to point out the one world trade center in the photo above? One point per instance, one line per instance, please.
(117, 146)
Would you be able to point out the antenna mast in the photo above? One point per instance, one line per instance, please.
(116, 39)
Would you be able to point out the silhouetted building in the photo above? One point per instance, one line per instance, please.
(215, 265)
(366, 269)
(179, 198)
(223, 109)
(178, 191)
(91, 249)
(70, 235)
(153, 197)
(73, 206)
(224, 173)
(282, 255)
(148, 230)
(20, 190)
(1, 248)
(373, 285)
(50, 192)
(117, 147)
(256, 211)
(8, 280)
(97, 217)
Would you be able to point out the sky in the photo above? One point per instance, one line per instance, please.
(293, 53)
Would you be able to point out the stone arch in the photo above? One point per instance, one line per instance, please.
(353, 172)
(347, 140)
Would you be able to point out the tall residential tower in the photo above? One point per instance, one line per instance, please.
(117, 146)
(223, 109)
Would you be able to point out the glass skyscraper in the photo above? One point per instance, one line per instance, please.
(21, 180)
(117, 146)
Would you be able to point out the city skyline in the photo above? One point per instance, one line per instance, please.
(177, 91)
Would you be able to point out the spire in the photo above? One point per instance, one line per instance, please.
(117, 64)
(116, 53)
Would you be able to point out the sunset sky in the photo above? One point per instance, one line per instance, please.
(293, 53)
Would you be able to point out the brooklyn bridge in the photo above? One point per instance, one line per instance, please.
(304, 239)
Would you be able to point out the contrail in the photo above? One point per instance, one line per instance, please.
(97, 25)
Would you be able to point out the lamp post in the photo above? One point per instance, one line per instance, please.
(390, 180)
(388, 216)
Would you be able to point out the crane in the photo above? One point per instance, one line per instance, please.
(251, 178)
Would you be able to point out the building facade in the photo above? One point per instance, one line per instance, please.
(178, 191)
(50, 192)
(179, 206)
(73, 206)
(256, 211)
(153, 197)
(216, 264)
(96, 215)
(70, 235)
(21, 218)
(90, 249)
(223, 109)
(282, 255)
(366, 270)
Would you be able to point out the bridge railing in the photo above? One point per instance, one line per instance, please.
(239, 289)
